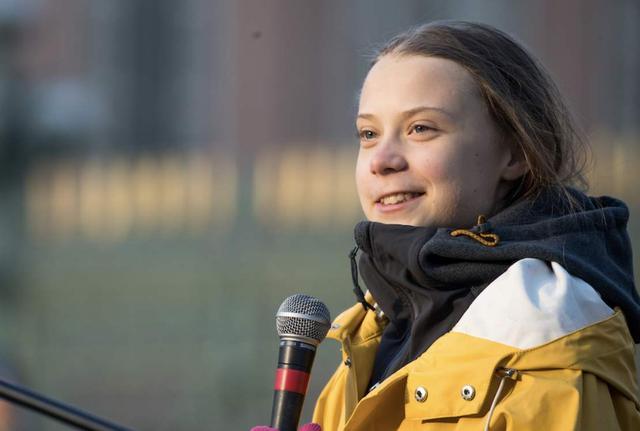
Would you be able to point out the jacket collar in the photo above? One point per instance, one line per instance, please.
(357, 324)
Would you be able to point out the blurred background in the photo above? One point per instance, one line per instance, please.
(170, 171)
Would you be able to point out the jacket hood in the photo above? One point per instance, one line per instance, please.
(425, 278)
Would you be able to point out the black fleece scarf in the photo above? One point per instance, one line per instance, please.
(424, 279)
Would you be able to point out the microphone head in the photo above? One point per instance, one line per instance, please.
(303, 316)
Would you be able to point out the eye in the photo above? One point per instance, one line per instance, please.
(421, 128)
(366, 134)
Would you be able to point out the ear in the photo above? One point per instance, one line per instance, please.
(515, 164)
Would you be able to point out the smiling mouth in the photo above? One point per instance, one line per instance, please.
(398, 198)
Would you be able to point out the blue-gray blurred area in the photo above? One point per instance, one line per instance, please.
(170, 171)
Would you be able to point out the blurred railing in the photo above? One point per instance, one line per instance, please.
(616, 166)
(306, 187)
(110, 199)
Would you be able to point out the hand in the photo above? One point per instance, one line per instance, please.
(307, 427)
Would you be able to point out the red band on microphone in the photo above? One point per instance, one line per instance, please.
(291, 380)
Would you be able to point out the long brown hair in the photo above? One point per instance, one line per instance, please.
(522, 98)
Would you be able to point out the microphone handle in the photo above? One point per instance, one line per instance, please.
(295, 359)
(54, 409)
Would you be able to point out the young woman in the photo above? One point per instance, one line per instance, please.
(500, 297)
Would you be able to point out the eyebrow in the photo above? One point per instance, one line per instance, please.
(412, 112)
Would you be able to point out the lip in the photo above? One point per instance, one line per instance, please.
(379, 206)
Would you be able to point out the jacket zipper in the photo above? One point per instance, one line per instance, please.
(405, 343)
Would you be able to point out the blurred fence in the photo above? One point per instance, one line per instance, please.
(615, 166)
(112, 199)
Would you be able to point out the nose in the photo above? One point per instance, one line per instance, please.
(388, 159)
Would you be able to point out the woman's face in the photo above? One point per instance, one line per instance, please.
(430, 154)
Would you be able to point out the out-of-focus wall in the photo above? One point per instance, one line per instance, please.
(170, 171)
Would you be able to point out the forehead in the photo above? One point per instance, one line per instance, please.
(402, 82)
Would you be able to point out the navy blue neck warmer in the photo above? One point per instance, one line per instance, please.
(424, 279)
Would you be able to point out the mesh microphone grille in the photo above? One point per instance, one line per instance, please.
(313, 322)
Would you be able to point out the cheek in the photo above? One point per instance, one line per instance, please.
(482, 172)
(362, 176)
(452, 182)
(469, 189)
(437, 167)
(439, 171)
(468, 168)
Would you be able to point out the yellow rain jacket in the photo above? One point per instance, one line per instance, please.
(585, 380)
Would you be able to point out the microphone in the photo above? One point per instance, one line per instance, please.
(302, 322)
